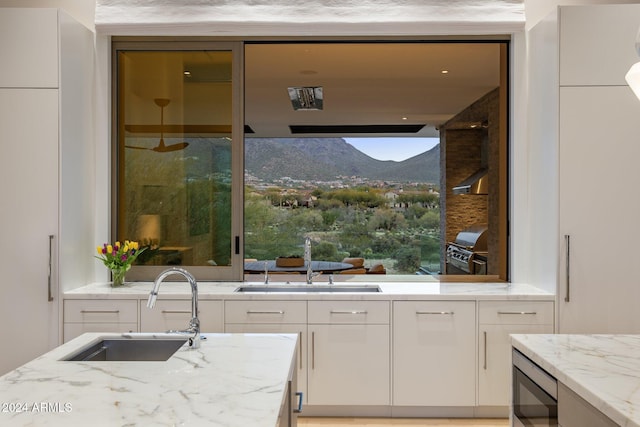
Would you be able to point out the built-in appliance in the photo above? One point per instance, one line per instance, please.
(535, 394)
(468, 253)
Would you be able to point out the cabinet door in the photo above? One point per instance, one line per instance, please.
(433, 353)
(300, 329)
(176, 314)
(348, 364)
(29, 48)
(494, 370)
(594, 35)
(598, 209)
(29, 194)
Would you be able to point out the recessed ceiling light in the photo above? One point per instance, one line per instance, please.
(404, 118)
(445, 71)
(187, 73)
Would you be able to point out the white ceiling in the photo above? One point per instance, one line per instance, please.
(366, 83)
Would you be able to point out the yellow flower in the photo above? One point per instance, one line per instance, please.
(110, 249)
(126, 248)
(99, 248)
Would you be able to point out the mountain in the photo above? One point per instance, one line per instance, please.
(326, 158)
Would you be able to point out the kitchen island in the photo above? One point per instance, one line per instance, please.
(604, 370)
(231, 380)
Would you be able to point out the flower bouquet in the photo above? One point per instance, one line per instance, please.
(118, 258)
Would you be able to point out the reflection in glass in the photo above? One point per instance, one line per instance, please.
(174, 151)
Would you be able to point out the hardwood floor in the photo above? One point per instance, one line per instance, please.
(401, 422)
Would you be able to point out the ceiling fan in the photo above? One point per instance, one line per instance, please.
(161, 147)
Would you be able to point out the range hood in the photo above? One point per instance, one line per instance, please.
(477, 183)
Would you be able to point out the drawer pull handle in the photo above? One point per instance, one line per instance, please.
(100, 311)
(50, 295)
(450, 313)
(300, 396)
(300, 348)
(348, 312)
(281, 312)
(485, 350)
(531, 313)
(176, 311)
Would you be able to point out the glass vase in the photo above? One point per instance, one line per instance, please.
(117, 277)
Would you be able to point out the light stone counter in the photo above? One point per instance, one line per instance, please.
(396, 291)
(602, 369)
(231, 380)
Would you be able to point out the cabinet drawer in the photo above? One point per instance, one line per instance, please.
(349, 312)
(516, 312)
(101, 311)
(72, 330)
(176, 314)
(265, 312)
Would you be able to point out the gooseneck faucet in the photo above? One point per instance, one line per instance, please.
(307, 261)
(194, 323)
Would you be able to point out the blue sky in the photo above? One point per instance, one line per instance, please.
(397, 149)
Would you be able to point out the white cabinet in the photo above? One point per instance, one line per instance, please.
(599, 165)
(175, 315)
(496, 320)
(598, 155)
(574, 411)
(95, 315)
(349, 353)
(434, 353)
(583, 155)
(279, 317)
(29, 48)
(595, 35)
(46, 167)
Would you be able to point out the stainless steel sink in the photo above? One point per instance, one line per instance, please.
(309, 288)
(125, 348)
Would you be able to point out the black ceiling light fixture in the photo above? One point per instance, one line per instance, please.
(306, 97)
(161, 147)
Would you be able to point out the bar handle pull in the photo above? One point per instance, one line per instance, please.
(176, 311)
(50, 268)
(348, 312)
(300, 348)
(100, 311)
(532, 313)
(485, 350)
(449, 313)
(313, 350)
(567, 240)
(281, 312)
(300, 396)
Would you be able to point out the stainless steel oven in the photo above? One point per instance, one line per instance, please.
(535, 394)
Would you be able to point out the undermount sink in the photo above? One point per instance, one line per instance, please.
(129, 349)
(308, 288)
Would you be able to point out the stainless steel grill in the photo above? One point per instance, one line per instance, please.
(468, 253)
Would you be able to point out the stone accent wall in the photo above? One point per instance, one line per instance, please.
(463, 150)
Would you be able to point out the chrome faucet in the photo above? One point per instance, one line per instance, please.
(194, 323)
(307, 261)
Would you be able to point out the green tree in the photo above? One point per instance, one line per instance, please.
(407, 259)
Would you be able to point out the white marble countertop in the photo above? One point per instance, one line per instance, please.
(602, 369)
(390, 291)
(231, 380)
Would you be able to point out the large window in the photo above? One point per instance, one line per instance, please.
(225, 153)
(359, 145)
